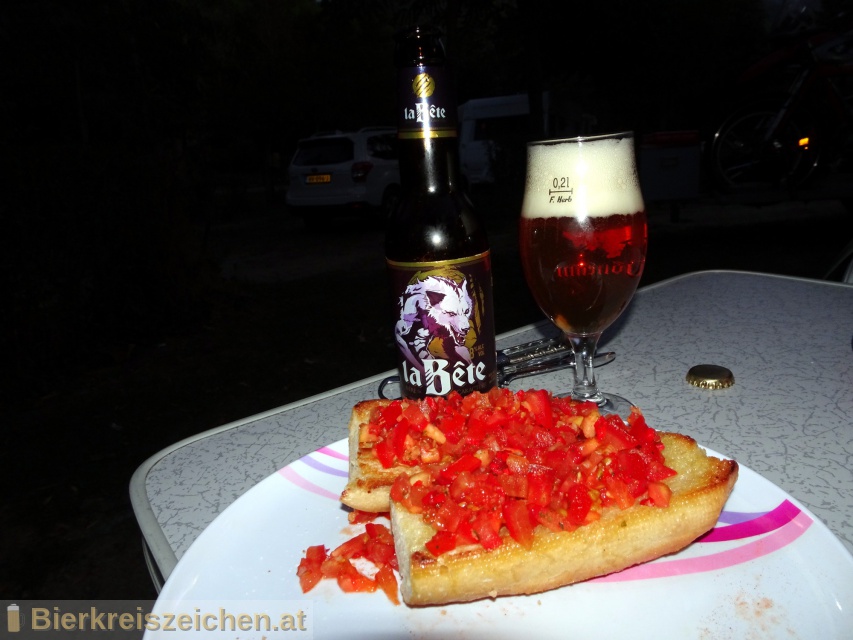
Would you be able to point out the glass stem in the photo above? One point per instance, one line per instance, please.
(585, 388)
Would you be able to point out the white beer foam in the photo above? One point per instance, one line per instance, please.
(601, 173)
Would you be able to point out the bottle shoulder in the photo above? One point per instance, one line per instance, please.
(427, 228)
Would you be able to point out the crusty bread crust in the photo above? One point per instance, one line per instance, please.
(369, 483)
(620, 539)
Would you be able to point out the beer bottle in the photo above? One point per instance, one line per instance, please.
(436, 247)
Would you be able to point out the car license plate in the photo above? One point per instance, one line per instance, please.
(318, 178)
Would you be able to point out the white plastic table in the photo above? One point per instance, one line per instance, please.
(789, 415)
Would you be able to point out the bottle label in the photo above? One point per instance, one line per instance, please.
(426, 106)
(444, 325)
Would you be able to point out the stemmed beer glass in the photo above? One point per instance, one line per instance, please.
(583, 243)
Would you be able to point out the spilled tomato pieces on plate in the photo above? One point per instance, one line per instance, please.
(375, 545)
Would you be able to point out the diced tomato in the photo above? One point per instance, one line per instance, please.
(497, 466)
(542, 438)
(588, 446)
(467, 462)
(579, 505)
(657, 471)
(539, 404)
(553, 521)
(400, 488)
(309, 576)
(359, 517)
(452, 427)
(351, 581)
(332, 566)
(433, 499)
(352, 548)
(465, 533)
(515, 460)
(409, 495)
(618, 493)
(379, 532)
(539, 486)
(495, 441)
(309, 569)
(517, 522)
(496, 418)
(441, 542)
(514, 486)
(384, 450)
(453, 399)
(379, 548)
(483, 492)
(563, 460)
(568, 407)
(399, 437)
(517, 464)
(461, 485)
(501, 397)
(387, 581)
(390, 413)
(316, 553)
(610, 431)
(478, 490)
(376, 544)
(484, 421)
(380, 553)
(630, 466)
(471, 402)
(638, 428)
(518, 437)
(415, 503)
(477, 426)
(659, 494)
(486, 526)
(414, 415)
(448, 516)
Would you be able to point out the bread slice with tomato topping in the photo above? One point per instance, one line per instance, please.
(617, 540)
(514, 493)
(369, 483)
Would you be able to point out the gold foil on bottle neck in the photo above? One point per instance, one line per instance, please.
(710, 376)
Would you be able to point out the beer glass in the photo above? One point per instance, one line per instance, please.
(583, 243)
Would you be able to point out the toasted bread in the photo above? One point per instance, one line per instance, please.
(369, 484)
(620, 539)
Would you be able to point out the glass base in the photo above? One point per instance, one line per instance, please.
(608, 403)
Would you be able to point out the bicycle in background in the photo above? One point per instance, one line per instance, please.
(784, 137)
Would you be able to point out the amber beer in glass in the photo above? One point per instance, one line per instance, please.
(583, 239)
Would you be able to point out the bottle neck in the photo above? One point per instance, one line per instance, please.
(426, 130)
(429, 166)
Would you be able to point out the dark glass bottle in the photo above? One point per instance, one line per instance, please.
(436, 247)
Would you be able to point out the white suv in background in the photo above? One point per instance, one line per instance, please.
(356, 171)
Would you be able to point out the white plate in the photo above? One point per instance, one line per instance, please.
(768, 570)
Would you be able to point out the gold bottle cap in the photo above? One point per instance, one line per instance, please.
(710, 376)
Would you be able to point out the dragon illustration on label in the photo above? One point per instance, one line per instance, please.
(437, 331)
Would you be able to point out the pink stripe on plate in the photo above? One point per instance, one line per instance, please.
(332, 453)
(319, 466)
(721, 560)
(307, 485)
(779, 517)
